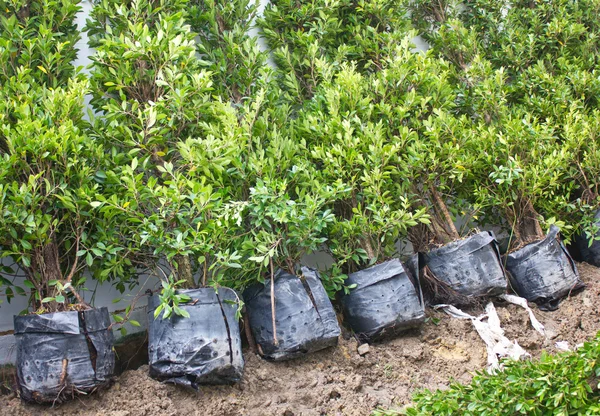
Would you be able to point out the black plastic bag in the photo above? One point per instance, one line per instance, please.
(205, 348)
(384, 302)
(543, 272)
(471, 267)
(304, 317)
(62, 354)
(589, 253)
(413, 267)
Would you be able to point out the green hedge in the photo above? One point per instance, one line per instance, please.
(562, 384)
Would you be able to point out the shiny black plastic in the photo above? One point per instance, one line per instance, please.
(589, 253)
(471, 266)
(304, 316)
(543, 272)
(62, 354)
(385, 301)
(205, 348)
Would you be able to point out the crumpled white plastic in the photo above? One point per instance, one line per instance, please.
(516, 300)
(488, 327)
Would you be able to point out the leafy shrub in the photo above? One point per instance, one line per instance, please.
(234, 57)
(415, 94)
(275, 200)
(354, 148)
(47, 191)
(563, 384)
(285, 224)
(160, 189)
(151, 91)
(48, 162)
(39, 38)
(305, 35)
(531, 61)
(394, 139)
(521, 170)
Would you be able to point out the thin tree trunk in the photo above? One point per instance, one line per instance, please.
(184, 271)
(248, 331)
(369, 248)
(528, 223)
(439, 202)
(275, 341)
(205, 271)
(45, 267)
(515, 239)
(533, 220)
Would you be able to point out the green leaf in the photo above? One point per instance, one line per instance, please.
(158, 310)
(89, 260)
(26, 261)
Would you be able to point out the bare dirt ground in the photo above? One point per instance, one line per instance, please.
(339, 381)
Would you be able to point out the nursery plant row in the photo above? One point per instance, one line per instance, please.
(200, 163)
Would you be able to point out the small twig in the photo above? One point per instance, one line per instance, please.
(205, 270)
(248, 332)
(78, 297)
(132, 304)
(75, 262)
(275, 341)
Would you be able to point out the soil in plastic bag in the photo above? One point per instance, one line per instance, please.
(543, 272)
(205, 348)
(62, 354)
(589, 253)
(385, 301)
(470, 267)
(304, 317)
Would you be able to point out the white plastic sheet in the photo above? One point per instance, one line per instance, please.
(488, 327)
(522, 302)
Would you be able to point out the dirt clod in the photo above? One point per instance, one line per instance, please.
(339, 381)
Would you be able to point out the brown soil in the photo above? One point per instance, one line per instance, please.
(339, 381)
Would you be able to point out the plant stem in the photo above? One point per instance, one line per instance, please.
(439, 202)
(184, 270)
(205, 271)
(247, 330)
(512, 218)
(534, 220)
(369, 248)
(273, 303)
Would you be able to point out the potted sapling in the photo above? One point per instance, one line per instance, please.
(522, 164)
(173, 221)
(547, 51)
(48, 191)
(415, 92)
(380, 296)
(156, 104)
(289, 311)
